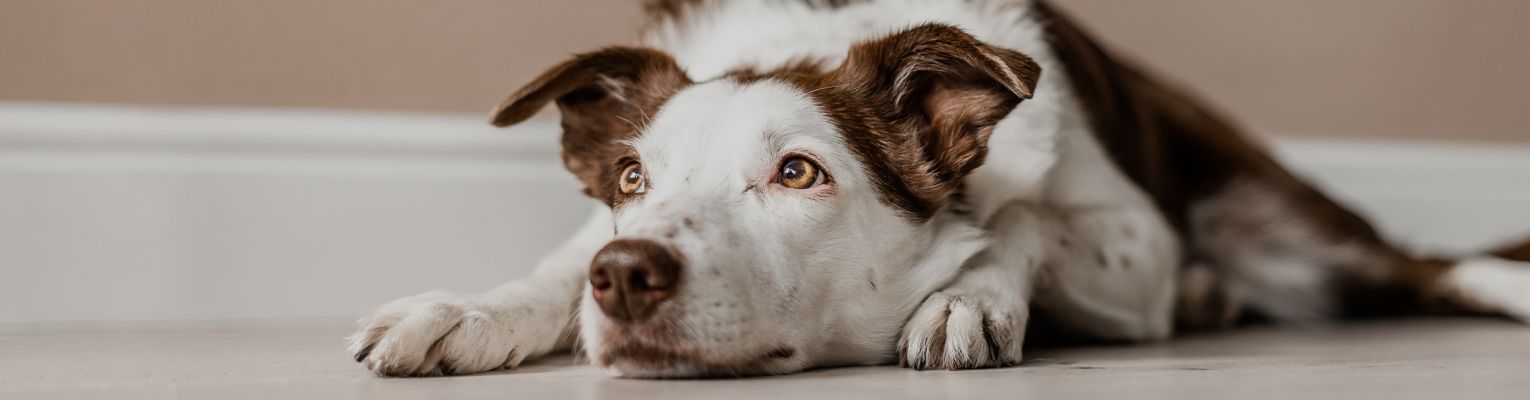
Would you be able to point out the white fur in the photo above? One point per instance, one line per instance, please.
(842, 278)
(1492, 283)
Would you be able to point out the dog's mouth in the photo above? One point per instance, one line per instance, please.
(648, 361)
(663, 346)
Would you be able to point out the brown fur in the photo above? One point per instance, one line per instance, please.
(794, 69)
(669, 9)
(1520, 252)
(605, 96)
(661, 10)
(1188, 158)
(917, 107)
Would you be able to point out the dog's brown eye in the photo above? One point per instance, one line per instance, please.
(632, 180)
(798, 173)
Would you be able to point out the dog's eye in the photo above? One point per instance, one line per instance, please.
(799, 173)
(632, 181)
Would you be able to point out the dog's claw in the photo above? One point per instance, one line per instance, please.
(362, 355)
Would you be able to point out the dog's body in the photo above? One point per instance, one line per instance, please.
(791, 184)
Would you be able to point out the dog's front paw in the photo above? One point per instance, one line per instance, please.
(437, 333)
(961, 332)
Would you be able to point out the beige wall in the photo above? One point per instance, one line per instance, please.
(1420, 68)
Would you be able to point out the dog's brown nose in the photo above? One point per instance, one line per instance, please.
(631, 276)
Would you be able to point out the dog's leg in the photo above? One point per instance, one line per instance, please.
(1112, 274)
(1290, 253)
(978, 321)
(439, 333)
(1108, 272)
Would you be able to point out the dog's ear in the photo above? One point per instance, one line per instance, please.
(943, 85)
(605, 97)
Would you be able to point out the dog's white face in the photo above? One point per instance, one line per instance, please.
(783, 245)
(769, 223)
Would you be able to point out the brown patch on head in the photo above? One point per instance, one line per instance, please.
(917, 108)
(796, 69)
(605, 97)
(659, 11)
(669, 9)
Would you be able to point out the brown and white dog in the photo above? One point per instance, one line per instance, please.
(791, 184)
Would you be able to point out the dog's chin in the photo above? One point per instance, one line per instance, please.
(632, 360)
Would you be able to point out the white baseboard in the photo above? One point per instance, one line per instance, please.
(111, 213)
(1431, 196)
(126, 214)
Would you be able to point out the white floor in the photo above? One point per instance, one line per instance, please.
(1394, 360)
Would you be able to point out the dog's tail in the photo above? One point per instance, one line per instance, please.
(1497, 283)
(1516, 253)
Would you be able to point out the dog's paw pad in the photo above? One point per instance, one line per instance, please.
(959, 332)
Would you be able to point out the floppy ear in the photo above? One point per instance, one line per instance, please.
(605, 97)
(942, 85)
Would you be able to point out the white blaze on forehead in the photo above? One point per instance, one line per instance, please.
(724, 134)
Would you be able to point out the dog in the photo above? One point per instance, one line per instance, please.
(797, 184)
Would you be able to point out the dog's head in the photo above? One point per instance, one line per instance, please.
(772, 222)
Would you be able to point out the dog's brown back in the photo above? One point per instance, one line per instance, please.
(1239, 210)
